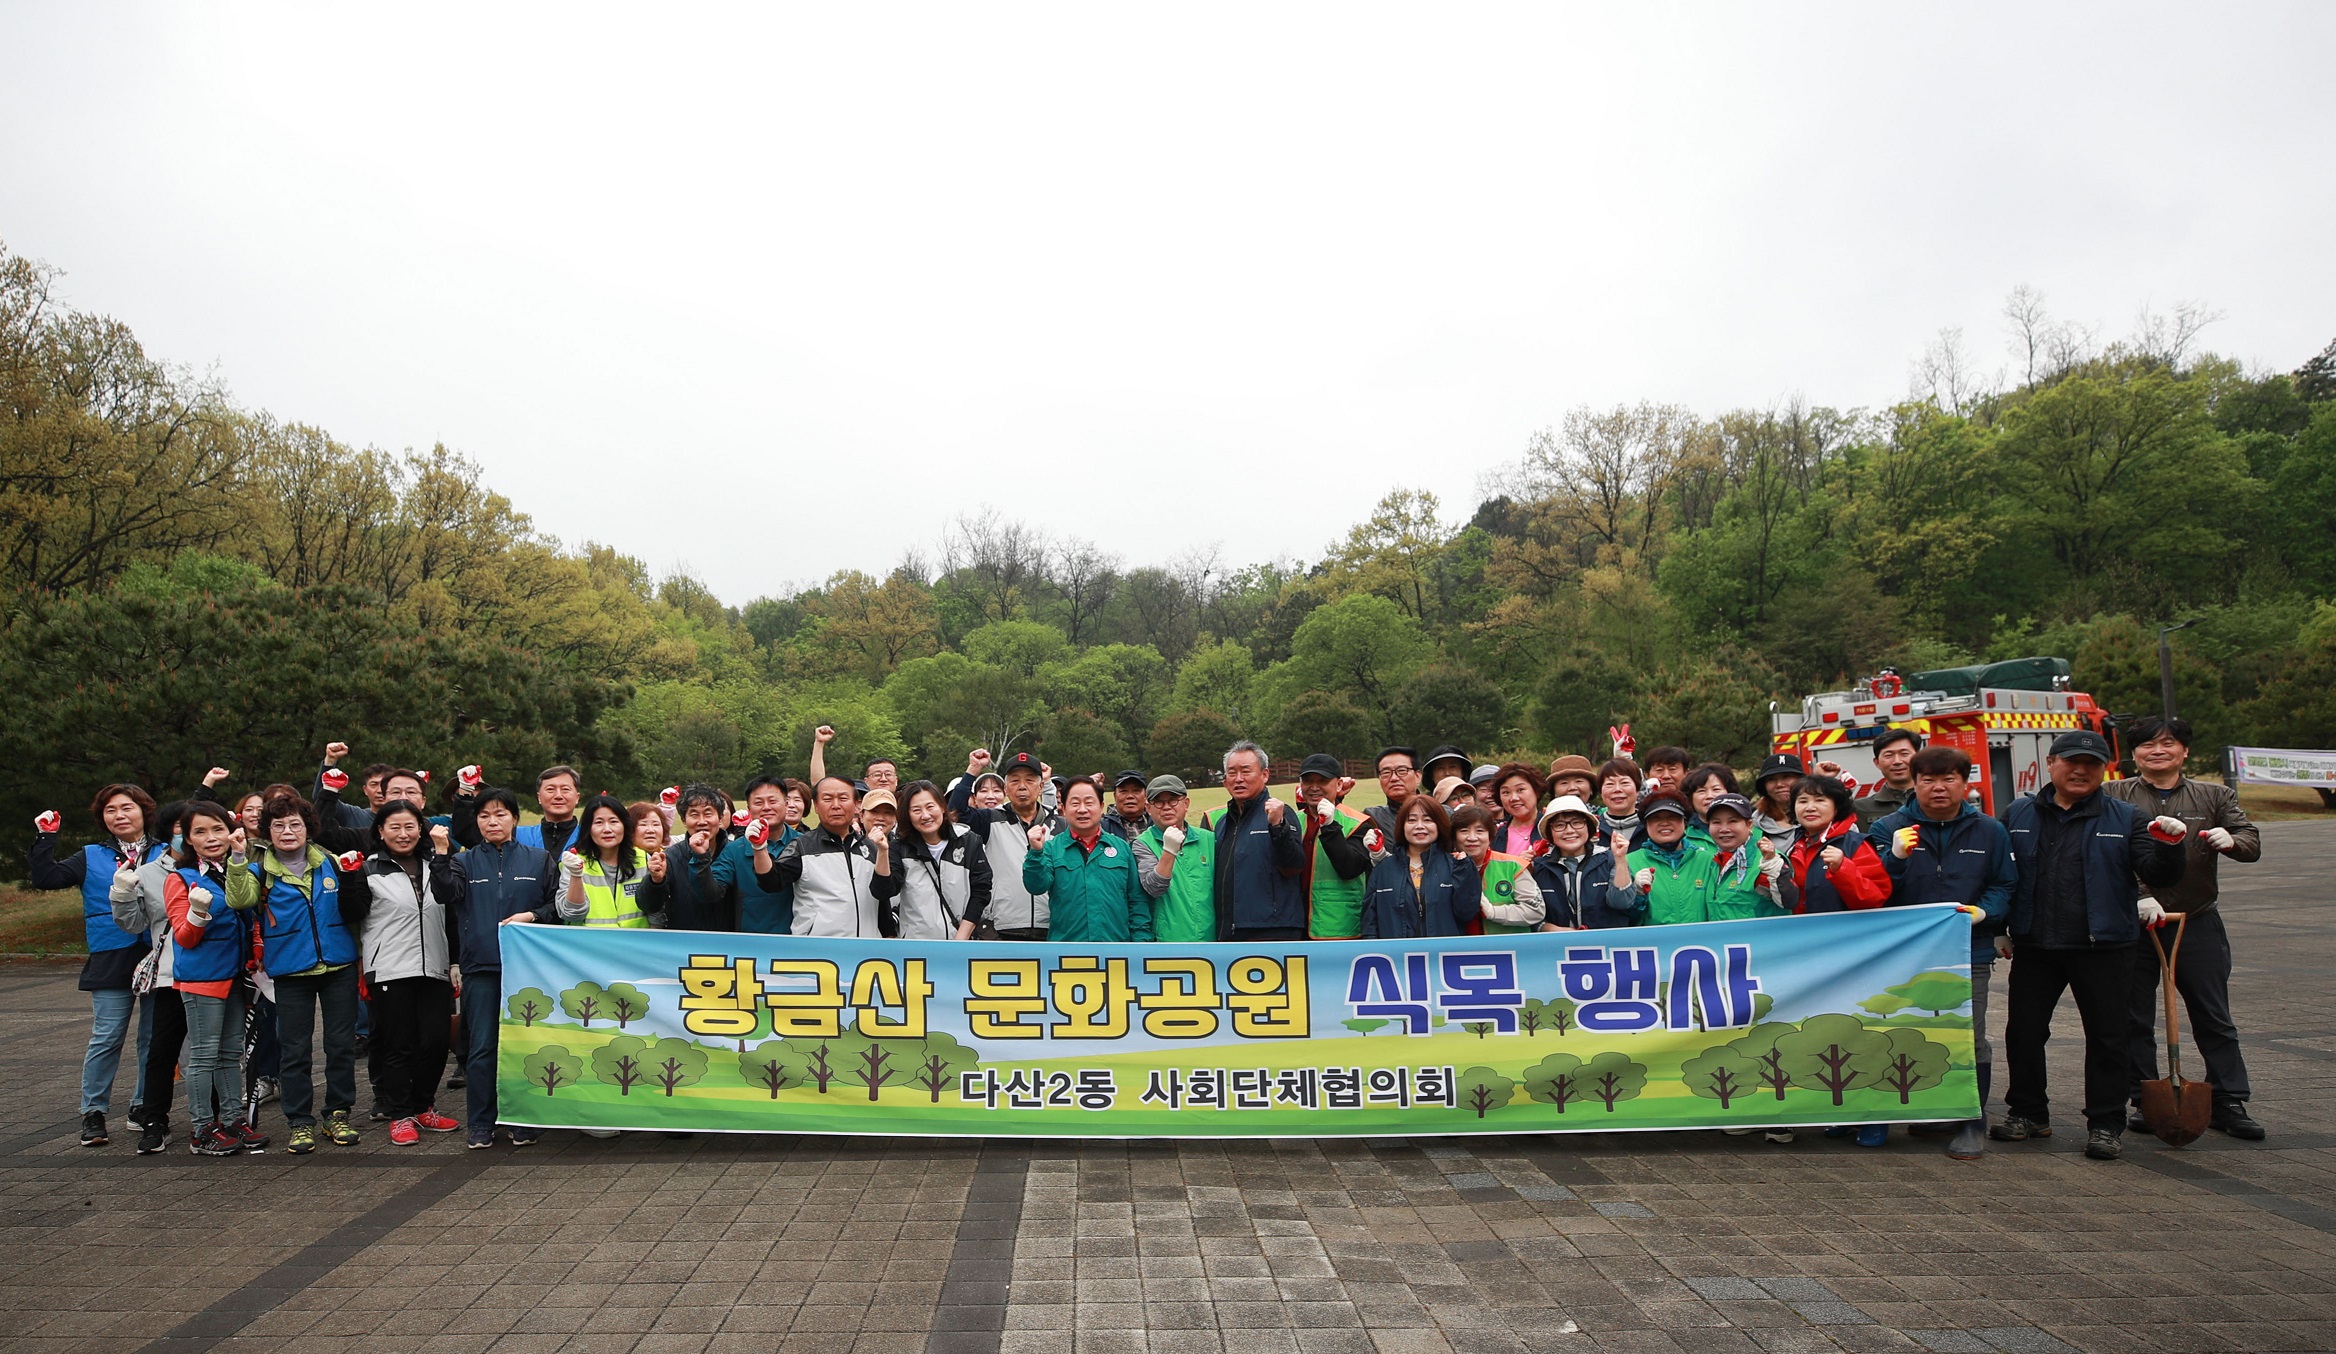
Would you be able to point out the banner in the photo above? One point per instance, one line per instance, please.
(2283, 766)
(1843, 1018)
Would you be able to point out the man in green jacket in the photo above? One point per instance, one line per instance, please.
(1672, 873)
(1087, 875)
(1177, 867)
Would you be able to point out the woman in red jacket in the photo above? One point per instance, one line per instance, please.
(1832, 863)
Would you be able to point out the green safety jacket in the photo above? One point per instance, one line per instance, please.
(1185, 913)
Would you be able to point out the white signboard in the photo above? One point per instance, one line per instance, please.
(2314, 770)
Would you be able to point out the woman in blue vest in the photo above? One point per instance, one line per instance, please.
(210, 947)
(311, 953)
(126, 813)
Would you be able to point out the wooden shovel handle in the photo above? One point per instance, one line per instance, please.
(2166, 960)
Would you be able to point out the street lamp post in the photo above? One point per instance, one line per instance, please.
(2166, 664)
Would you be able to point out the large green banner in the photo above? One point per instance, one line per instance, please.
(1835, 1019)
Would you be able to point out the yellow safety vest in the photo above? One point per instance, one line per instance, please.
(609, 903)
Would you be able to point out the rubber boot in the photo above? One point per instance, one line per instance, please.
(1970, 1143)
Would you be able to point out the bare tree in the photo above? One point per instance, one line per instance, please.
(1946, 375)
(1001, 562)
(1085, 575)
(2167, 339)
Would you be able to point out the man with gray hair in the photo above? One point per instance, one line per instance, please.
(1260, 855)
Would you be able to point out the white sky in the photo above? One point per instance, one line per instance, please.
(773, 292)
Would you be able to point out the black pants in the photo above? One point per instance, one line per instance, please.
(1268, 933)
(170, 1038)
(2100, 977)
(2202, 974)
(410, 1016)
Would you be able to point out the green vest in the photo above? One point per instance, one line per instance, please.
(1736, 894)
(1335, 912)
(1681, 894)
(1187, 913)
(1500, 887)
(608, 903)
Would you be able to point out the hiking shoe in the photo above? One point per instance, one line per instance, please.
(303, 1140)
(377, 1114)
(1873, 1135)
(2103, 1144)
(2019, 1128)
(265, 1090)
(434, 1122)
(457, 1082)
(2232, 1118)
(1776, 1135)
(1970, 1142)
(476, 1142)
(525, 1137)
(248, 1138)
(338, 1128)
(2136, 1122)
(402, 1133)
(93, 1129)
(210, 1140)
(153, 1138)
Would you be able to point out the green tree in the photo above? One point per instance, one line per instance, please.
(1884, 1004)
(586, 1001)
(626, 1003)
(528, 1005)
(1214, 677)
(1448, 703)
(1078, 743)
(1191, 745)
(1937, 993)
(773, 1066)
(1582, 694)
(1759, 1046)
(674, 1063)
(1557, 1080)
(1394, 552)
(1323, 721)
(1721, 1072)
(1832, 1052)
(621, 1062)
(1019, 647)
(550, 1067)
(1911, 1063)
(1362, 647)
(1612, 1078)
(1366, 1025)
(939, 1062)
(1484, 1090)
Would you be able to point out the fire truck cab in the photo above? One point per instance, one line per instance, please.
(2003, 716)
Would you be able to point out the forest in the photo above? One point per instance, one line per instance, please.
(189, 582)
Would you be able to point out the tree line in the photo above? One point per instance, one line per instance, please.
(191, 583)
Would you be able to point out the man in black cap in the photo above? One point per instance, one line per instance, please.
(2076, 916)
(1015, 912)
(1129, 813)
(1337, 857)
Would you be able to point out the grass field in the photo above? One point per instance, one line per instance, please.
(41, 923)
(1366, 795)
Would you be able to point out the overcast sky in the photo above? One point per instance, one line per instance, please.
(768, 293)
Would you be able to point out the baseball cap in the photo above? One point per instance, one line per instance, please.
(1567, 804)
(1483, 773)
(1022, 761)
(1322, 764)
(1735, 804)
(1663, 803)
(1165, 785)
(1125, 776)
(879, 799)
(2081, 743)
(1779, 764)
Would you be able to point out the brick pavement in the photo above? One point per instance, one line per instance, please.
(1505, 1245)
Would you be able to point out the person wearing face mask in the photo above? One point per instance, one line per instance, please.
(840, 874)
(1512, 900)
(611, 882)
(1424, 887)
(1574, 872)
(2219, 831)
(139, 904)
(123, 812)
(1670, 875)
(943, 873)
(1088, 875)
(409, 918)
(504, 884)
(310, 950)
(210, 947)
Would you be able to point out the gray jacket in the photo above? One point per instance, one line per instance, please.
(407, 936)
(140, 908)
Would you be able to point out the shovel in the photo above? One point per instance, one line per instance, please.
(2177, 1111)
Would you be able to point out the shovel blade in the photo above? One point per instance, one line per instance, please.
(2177, 1111)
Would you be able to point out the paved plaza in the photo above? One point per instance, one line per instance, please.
(1493, 1245)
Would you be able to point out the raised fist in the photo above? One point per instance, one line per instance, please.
(657, 867)
(351, 861)
(1904, 840)
(1832, 857)
(740, 817)
(823, 735)
(1172, 839)
(700, 840)
(236, 844)
(2217, 837)
(1832, 769)
(440, 839)
(425, 775)
(1046, 769)
(976, 760)
(877, 837)
(216, 774)
(199, 903)
(1644, 879)
(1771, 864)
(1768, 848)
(333, 752)
(571, 863)
(334, 779)
(669, 796)
(2167, 828)
(470, 777)
(48, 821)
(1274, 811)
(758, 833)
(1618, 845)
(1038, 836)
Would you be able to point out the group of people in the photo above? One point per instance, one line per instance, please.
(246, 932)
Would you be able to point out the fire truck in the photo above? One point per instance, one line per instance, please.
(2003, 716)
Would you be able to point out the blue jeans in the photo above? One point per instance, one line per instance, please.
(482, 1015)
(109, 1029)
(299, 1002)
(214, 1048)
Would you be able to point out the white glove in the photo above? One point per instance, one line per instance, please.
(571, 863)
(1645, 879)
(199, 906)
(2169, 828)
(2151, 912)
(1173, 839)
(2218, 837)
(2003, 947)
(1771, 867)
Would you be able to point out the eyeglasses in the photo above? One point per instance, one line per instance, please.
(1396, 773)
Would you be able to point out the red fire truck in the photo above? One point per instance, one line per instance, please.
(2003, 716)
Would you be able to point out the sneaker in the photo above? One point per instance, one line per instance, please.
(210, 1140)
(2103, 1144)
(2231, 1117)
(136, 1118)
(2018, 1128)
(476, 1142)
(266, 1089)
(457, 1082)
(435, 1122)
(377, 1114)
(93, 1129)
(2136, 1122)
(525, 1137)
(152, 1139)
(250, 1139)
(338, 1128)
(303, 1140)
(1840, 1130)
(1873, 1135)
(600, 1132)
(1970, 1142)
(1776, 1134)
(402, 1133)
(1739, 1132)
